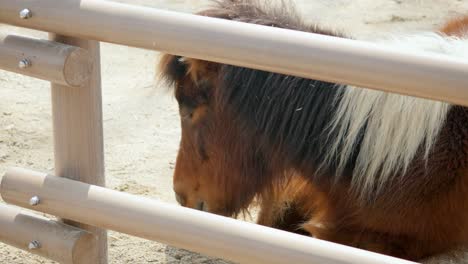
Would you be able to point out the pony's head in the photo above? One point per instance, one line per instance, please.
(193, 175)
(213, 158)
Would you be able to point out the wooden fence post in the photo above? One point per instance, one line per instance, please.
(78, 134)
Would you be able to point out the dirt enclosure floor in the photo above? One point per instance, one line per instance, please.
(141, 126)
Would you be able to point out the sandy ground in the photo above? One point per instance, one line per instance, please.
(141, 125)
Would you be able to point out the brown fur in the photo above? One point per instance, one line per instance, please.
(412, 220)
(289, 205)
(456, 27)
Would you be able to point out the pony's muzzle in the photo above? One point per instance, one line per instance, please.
(200, 205)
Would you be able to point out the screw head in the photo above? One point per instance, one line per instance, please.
(25, 13)
(24, 63)
(34, 201)
(34, 245)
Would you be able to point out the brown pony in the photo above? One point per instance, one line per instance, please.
(373, 170)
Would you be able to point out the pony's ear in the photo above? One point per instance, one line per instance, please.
(200, 70)
(193, 80)
(176, 68)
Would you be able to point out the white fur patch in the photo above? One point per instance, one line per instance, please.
(394, 126)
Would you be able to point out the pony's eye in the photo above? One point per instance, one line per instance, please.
(186, 113)
(193, 115)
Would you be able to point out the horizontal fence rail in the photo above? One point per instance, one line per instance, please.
(178, 226)
(266, 48)
(46, 60)
(39, 235)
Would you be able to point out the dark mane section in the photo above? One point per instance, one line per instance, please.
(290, 112)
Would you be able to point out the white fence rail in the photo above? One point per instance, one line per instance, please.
(46, 60)
(51, 239)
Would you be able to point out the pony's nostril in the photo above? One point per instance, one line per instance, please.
(205, 207)
(200, 205)
(180, 199)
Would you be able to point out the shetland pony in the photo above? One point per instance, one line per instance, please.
(377, 171)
